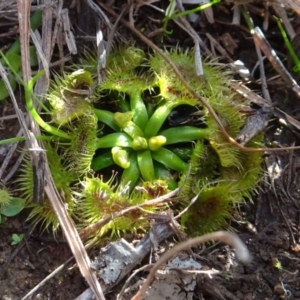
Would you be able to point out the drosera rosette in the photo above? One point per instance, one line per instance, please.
(142, 138)
(132, 129)
(98, 199)
(44, 215)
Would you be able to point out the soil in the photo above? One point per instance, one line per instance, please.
(268, 223)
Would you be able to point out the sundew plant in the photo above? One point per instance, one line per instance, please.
(140, 134)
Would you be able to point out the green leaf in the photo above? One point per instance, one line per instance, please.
(15, 206)
(17, 238)
(145, 164)
(14, 60)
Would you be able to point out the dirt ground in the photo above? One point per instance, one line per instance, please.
(268, 224)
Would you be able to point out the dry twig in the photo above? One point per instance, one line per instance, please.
(264, 45)
(222, 236)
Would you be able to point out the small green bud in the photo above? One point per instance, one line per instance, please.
(156, 142)
(123, 118)
(139, 143)
(120, 157)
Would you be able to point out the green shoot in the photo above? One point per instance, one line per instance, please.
(28, 97)
(293, 55)
(170, 15)
(17, 238)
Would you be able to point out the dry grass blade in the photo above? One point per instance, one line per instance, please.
(263, 78)
(281, 12)
(249, 94)
(264, 45)
(68, 227)
(37, 154)
(6, 6)
(44, 50)
(56, 26)
(222, 236)
(99, 12)
(11, 151)
(24, 15)
(72, 237)
(69, 36)
(293, 4)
